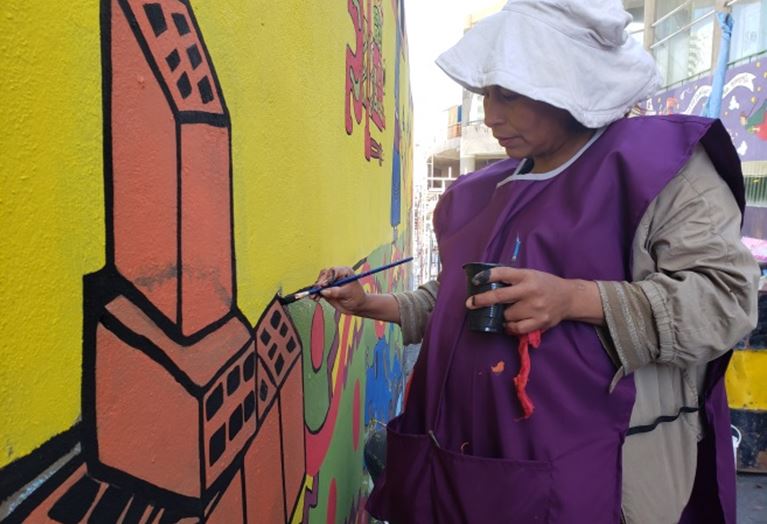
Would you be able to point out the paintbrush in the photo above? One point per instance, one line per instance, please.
(313, 290)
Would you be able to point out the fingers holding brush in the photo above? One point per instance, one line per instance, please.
(326, 276)
(349, 298)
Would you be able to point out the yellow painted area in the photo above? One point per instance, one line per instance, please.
(304, 195)
(308, 486)
(746, 380)
(51, 212)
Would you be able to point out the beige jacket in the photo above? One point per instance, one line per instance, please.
(692, 297)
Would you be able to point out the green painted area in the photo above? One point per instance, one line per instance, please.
(342, 462)
(316, 384)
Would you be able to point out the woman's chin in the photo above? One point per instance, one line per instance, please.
(515, 152)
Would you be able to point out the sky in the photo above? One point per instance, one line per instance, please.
(432, 27)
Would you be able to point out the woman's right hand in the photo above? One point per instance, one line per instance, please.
(350, 298)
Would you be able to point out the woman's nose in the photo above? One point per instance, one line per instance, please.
(493, 116)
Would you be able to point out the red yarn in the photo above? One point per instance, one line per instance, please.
(520, 381)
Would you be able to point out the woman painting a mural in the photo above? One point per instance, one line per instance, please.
(617, 241)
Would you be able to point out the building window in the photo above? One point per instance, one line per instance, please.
(749, 31)
(683, 38)
(756, 190)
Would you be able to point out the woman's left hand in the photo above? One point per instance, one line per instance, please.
(538, 300)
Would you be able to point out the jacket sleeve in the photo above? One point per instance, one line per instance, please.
(415, 308)
(694, 288)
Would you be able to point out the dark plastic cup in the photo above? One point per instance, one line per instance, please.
(486, 319)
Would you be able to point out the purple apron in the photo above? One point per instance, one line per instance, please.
(460, 452)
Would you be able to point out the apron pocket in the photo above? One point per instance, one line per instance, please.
(469, 489)
(402, 493)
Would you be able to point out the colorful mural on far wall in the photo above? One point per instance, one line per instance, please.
(188, 410)
(744, 105)
(744, 114)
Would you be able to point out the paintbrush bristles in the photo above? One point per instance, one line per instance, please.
(294, 297)
(302, 294)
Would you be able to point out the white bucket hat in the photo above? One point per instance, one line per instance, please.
(572, 54)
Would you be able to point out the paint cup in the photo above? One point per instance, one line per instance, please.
(486, 319)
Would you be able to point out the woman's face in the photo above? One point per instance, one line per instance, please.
(529, 128)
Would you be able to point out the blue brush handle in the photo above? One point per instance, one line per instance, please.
(352, 278)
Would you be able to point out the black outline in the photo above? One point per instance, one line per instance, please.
(298, 361)
(202, 444)
(244, 493)
(106, 108)
(153, 514)
(158, 355)
(76, 501)
(111, 505)
(33, 501)
(19, 473)
(137, 505)
(110, 279)
(302, 486)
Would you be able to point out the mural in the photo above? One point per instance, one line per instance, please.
(188, 411)
(366, 74)
(744, 105)
(400, 124)
(744, 114)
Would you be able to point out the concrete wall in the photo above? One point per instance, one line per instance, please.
(168, 170)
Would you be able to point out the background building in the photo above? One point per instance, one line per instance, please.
(462, 144)
(685, 39)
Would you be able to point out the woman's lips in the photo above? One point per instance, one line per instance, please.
(509, 141)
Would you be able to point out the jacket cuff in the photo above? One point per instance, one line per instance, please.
(662, 316)
(629, 320)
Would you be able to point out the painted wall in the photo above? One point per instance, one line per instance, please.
(744, 114)
(169, 169)
(744, 106)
